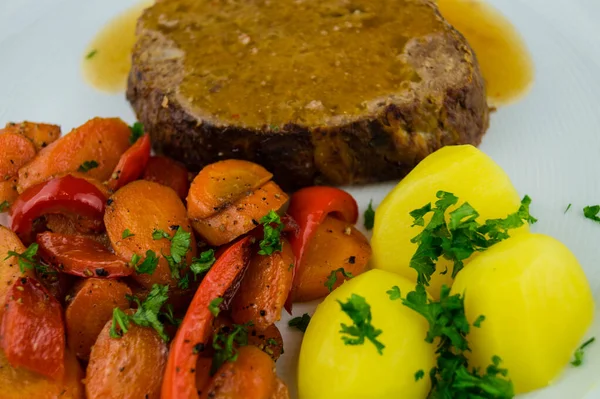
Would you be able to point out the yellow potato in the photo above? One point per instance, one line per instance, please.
(537, 305)
(462, 170)
(329, 369)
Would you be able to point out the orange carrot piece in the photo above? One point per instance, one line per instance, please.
(9, 268)
(241, 216)
(170, 173)
(41, 134)
(15, 151)
(220, 184)
(102, 140)
(8, 191)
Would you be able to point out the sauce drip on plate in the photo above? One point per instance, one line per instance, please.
(107, 60)
(506, 65)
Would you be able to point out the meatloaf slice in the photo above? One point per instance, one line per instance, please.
(317, 91)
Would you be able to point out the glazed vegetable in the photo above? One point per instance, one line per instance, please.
(16, 151)
(20, 383)
(81, 256)
(100, 139)
(358, 369)
(309, 207)
(32, 331)
(464, 171)
(335, 245)
(537, 305)
(131, 164)
(9, 265)
(130, 367)
(251, 376)
(142, 208)
(168, 172)
(65, 194)
(41, 134)
(241, 216)
(195, 330)
(89, 308)
(8, 193)
(223, 183)
(264, 288)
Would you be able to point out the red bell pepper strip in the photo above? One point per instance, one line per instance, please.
(66, 194)
(80, 256)
(33, 332)
(309, 207)
(195, 330)
(131, 164)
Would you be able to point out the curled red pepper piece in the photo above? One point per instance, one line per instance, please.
(195, 330)
(131, 164)
(309, 207)
(66, 194)
(81, 256)
(33, 332)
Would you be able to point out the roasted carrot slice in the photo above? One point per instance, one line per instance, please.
(88, 310)
(33, 333)
(264, 288)
(241, 216)
(20, 383)
(8, 191)
(81, 256)
(131, 164)
(15, 151)
(335, 244)
(251, 376)
(102, 140)
(129, 367)
(220, 184)
(41, 134)
(143, 207)
(9, 266)
(165, 171)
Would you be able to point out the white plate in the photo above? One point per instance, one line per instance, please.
(549, 143)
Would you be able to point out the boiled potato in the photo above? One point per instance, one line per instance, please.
(462, 170)
(329, 369)
(537, 305)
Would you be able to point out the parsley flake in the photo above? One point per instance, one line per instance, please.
(127, 234)
(359, 311)
(332, 279)
(579, 352)
(91, 54)
(214, 306)
(148, 266)
(203, 264)
(300, 323)
(419, 375)
(461, 236)
(180, 246)
(394, 293)
(568, 207)
(225, 342)
(4, 205)
(591, 212)
(87, 166)
(369, 216)
(479, 320)
(271, 241)
(27, 260)
(137, 131)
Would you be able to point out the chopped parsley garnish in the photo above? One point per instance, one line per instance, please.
(448, 325)
(169, 316)
(419, 375)
(369, 216)
(394, 293)
(180, 246)
(126, 234)
(479, 320)
(224, 343)
(91, 54)
(591, 212)
(357, 308)
(214, 306)
(461, 236)
(580, 352)
(332, 279)
(27, 260)
(87, 166)
(4, 205)
(568, 207)
(301, 323)
(271, 241)
(148, 266)
(137, 131)
(146, 315)
(203, 264)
